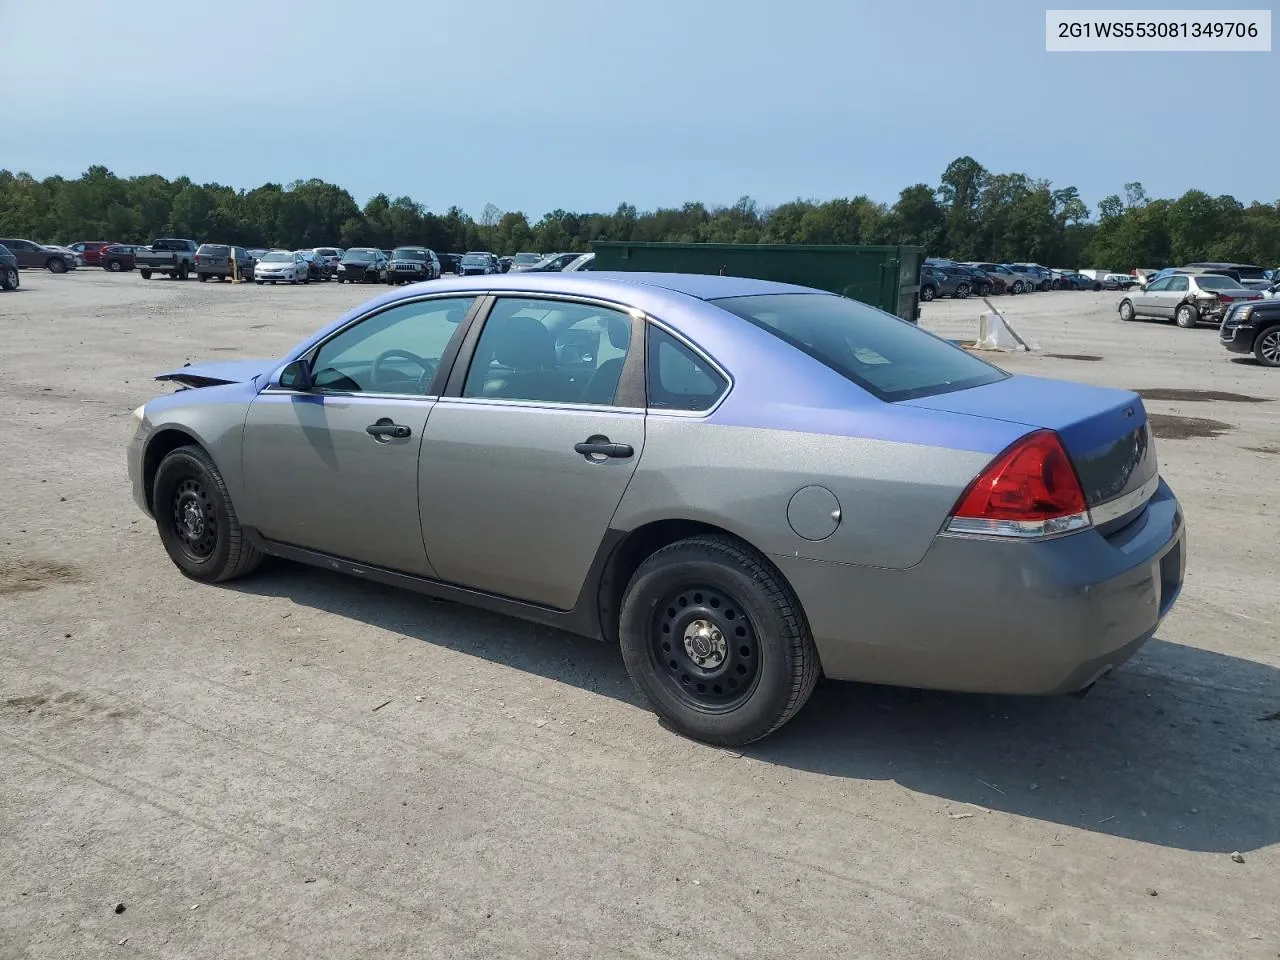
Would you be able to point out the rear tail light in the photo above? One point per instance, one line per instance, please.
(1226, 298)
(1030, 490)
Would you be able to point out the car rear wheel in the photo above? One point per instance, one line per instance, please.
(9, 278)
(714, 638)
(1187, 316)
(146, 274)
(1267, 347)
(196, 520)
(113, 266)
(1126, 310)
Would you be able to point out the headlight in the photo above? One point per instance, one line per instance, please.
(1242, 313)
(140, 413)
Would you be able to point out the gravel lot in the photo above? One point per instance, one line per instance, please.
(217, 759)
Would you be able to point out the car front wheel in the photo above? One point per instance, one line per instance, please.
(9, 278)
(927, 293)
(196, 520)
(1267, 347)
(714, 638)
(1126, 310)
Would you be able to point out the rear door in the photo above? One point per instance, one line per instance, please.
(527, 456)
(335, 468)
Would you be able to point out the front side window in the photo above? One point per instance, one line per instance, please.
(678, 379)
(1158, 285)
(550, 350)
(396, 351)
(887, 357)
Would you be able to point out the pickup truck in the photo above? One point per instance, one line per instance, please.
(177, 258)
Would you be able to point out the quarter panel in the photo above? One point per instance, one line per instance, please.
(894, 496)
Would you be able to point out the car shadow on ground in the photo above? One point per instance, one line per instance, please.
(1180, 748)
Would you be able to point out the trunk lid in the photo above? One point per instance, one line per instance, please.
(1105, 431)
(218, 372)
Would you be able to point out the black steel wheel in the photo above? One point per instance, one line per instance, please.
(196, 520)
(715, 639)
(703, 645)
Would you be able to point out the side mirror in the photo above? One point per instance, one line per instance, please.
(297, 376)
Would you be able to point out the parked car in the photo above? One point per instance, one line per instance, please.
(1118, 281)
(1034, 276)
(318, 268)
(583, 262)
(362, 265)
(9, 279)
(216, 260)
(167, 255)
(1254, 327)
(412, 264)
(31, 255)
(523, 261)
(450, 262)
(118, 257)
(979, 283)
(553, 263)
(89, 251)
(504, 264)
(278, 266)
(1186, 299)
(1077, 281)
(936, 283)
(1003, 279)
(677, 501)
(476, 263)
(1241, 271)
(331, 255)
(76, 259)
(258, 252)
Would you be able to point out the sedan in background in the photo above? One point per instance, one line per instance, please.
(362, 265)
(553, 263)
(523, 261)
(669, 465)
(583, 262)
(331, 256)
(118, 257)
(318, 267)
(281, 266)
(9, 279)
(1186, 299)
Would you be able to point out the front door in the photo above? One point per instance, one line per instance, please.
(1147, 302)
(521, 474)
(335, 468)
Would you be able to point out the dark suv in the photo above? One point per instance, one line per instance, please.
(8, 269)
(31, 254)
(411, 264)
(1254, 327)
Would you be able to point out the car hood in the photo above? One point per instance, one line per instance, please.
(275, 264)
(219, 371)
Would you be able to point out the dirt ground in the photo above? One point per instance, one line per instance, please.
(301, 765)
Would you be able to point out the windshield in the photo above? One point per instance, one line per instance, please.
(326, 252)
(409, 253)
(1217, 283)
(475, 259)
(359, 255)
(888, 357)
(527, 258)
(278, 256)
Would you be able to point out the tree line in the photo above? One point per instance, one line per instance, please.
(971, 214)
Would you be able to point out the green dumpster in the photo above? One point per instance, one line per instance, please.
(885, 277)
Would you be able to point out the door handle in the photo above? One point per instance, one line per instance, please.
(384, 429)
(603, 447)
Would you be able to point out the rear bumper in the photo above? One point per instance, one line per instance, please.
(985, 616)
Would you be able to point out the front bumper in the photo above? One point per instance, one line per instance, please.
(1239, 338)
(134, 455)
(987, 616)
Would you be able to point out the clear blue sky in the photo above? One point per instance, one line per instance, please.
(540, 104)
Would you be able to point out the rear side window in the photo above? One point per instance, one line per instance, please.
(887, 357)
(1177, 284)
(678, 378)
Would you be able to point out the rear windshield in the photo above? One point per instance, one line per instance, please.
(888, 357)
(213, 249)
(1214, 282)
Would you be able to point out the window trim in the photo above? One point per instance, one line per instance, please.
(633, 368)
(447, 359)
(700, 354)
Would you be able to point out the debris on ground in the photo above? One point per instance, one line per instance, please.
(380, 706)
(1238, 857)
(1152, 892)
(120, 908)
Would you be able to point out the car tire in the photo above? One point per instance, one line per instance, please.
(146, 274)
(259, 282)
(1126, 311)
(196, 520)
(962, 292)
(1187, 316)
(203, 277)
(9, 279)
(1266, 347)
(737, 611)
(113, 266)
(984, 289)
(1017, 287)
(56, 265)
(928, 292)
(181, 273)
